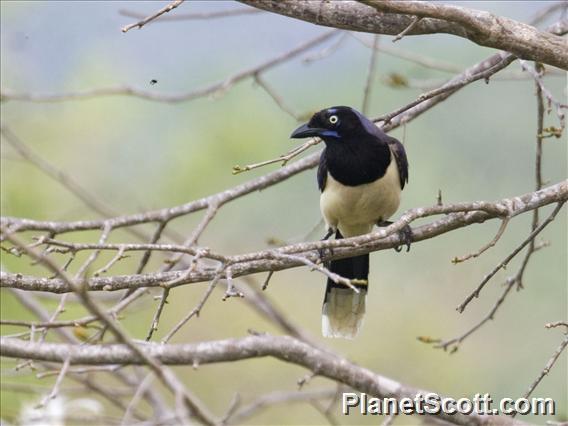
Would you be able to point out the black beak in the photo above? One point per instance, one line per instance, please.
(305, 131)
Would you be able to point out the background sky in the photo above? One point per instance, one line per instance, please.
(136, 155)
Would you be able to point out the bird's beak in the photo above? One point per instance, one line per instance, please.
(305, 131)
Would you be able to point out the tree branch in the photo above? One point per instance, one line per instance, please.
(284, 348)
(156, 15)
(456, 216)
(393, 17)
(214, 89)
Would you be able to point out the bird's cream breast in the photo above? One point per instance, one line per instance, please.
(355, 209)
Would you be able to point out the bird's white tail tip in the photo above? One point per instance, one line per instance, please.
(343, 313)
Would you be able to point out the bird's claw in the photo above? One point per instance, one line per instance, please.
(406, 237)
(321, 251)
(322, 254)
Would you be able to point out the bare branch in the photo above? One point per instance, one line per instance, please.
(195, 311)
(215, 89)
(486, 247)
(50, 170)
(284, 348)
(165, 375)
(463, 214)
(557, 324)
(370, 76)
(156, 15)
(506, 261)
(327, 51)
(284, 158)
(486, 29)
(195, 16)
(452, 85)
(275, 97)
(56, 386)
(546, 368)
(391, 18)
(454, 343)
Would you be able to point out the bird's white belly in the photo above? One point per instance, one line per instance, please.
(355, 209)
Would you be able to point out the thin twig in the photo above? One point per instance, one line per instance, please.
(155, 238)
(546, 368)
(276, 97)
(327, 51)
(506, 261)
(140, 390)
(56, 386)
(124, 247)
(195, 311)
(502, 227)
(81, 273)
(150, 18)
(370, 76)
(336, 278)
(284, 158)
(453, 344)
(158, 314)
(195, 15)
(412, 24)
(59, 310)
(543, 90)
(557, 324)
(267, 280)
(119, 256)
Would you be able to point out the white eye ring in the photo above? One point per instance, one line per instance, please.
(333, 119)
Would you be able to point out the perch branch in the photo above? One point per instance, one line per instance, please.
(456, 216)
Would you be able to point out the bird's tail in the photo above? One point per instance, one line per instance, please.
(344, 309)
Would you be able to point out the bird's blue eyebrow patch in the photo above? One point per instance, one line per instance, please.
(329, 134)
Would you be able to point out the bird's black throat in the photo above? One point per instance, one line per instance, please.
(356, 161)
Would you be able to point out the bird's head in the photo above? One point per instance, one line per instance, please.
(335, 124)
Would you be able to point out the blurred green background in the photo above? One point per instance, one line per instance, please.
(137, 155)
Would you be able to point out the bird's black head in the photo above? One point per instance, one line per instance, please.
(336, 124)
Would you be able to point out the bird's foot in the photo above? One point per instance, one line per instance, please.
(405, 235)
(322, 251)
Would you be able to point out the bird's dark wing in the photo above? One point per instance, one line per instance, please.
(401, 161)
(322, 171)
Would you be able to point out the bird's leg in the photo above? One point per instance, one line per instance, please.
(405, 234)
(325, 238)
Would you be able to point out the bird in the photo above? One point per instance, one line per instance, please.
(361, 174)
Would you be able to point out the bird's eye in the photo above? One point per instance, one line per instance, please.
(333, 119)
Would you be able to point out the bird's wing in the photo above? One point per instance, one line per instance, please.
(322, 171)
(401, 160)
(396, 148)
